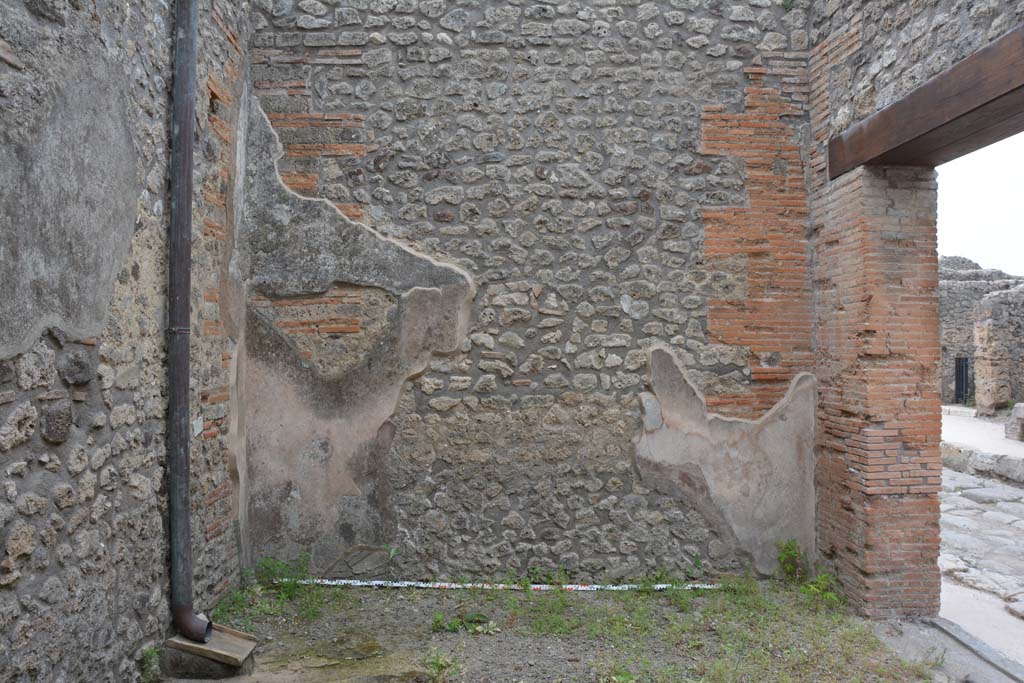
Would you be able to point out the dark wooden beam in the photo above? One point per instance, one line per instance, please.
(978, 101)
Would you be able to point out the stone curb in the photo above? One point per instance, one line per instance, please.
(1004, 664)
(969, 461)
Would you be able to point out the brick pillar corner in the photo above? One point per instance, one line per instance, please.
(879, 468)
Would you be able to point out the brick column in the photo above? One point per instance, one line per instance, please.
(876, 308)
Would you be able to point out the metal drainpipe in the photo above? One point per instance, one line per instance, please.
(179, 287)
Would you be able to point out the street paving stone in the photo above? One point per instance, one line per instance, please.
(994, 494)
(983, 536)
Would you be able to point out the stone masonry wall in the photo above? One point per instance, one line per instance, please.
(221, 75)
(999, 347)
(611, 176)
(84, 121)
(962, 286)
(876, 307)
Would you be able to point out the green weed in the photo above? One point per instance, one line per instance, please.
(474, 623)
(625, 616)
(617, 673)
(678, 598)
(698, 566)
(275, 589)
(149, 665)
(550, 614)
(441, 668)
(284, 578)
(792, 562)
(823, 589)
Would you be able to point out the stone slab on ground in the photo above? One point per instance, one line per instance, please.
(985, 617)
(977, 446)
(983, 534)
(953, 480)
(994, 494)
(228, 653)
(967, 460)
(959, 411)
(923, 641)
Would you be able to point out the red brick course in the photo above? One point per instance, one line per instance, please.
(336, 134)
(769, 234)
(333, 312)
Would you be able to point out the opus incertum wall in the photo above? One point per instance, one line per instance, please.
(502, 285)
(612, 179)
(605, 179)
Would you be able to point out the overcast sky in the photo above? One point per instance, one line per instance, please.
(981, 206)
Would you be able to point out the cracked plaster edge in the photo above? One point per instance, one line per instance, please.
(276, 157)
(709, 416)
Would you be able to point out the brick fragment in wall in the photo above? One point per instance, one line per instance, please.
(772, 316)
(335, 330)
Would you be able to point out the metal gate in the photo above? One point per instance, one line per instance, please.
(962, 390)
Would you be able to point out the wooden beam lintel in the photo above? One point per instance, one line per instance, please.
(974, 103)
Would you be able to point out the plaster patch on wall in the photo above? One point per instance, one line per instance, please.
(317, 409)
(67, 210)
(296, 246)
(759, 474)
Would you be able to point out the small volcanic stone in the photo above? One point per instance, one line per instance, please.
(76, 367)
(56, 421)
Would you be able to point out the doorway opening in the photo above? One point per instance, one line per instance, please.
(886, 421)
(981, 297)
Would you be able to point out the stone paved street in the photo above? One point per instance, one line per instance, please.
(983, 535)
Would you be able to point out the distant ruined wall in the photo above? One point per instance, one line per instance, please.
(83, 218)
(606, 178)
(962, 286)
(876, 303)
(999, 347)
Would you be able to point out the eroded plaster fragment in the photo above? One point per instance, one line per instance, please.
(758, 474)
(294, 245)
(317, 407)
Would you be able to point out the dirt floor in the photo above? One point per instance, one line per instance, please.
(747, 631)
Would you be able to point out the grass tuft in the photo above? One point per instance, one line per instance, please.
(441, 668)
(276, 589)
